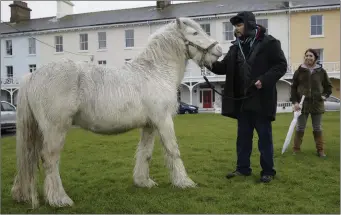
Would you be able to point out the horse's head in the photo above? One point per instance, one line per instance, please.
(200, 47)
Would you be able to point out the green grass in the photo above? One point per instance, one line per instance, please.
(97, 172)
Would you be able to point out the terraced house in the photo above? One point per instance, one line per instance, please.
(317, 27)
(111, 38)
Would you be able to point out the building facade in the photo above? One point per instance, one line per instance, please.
(317, 28)
(112, 38)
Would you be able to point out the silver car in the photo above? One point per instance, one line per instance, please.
(332, 104)
(8, 116)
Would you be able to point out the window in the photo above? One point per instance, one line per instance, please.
(9, 71)
(129, 35)
(102, 62)
(83, 41)
(32, 67)
(320, 54)
(31, 46)
(228, 31)
(9, 50)
(126, 60)
(207, 28)
(316, 26)
(102, 40)
(58, 41)
(6, 107)
(264, 23)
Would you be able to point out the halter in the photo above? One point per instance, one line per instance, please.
(204, 51)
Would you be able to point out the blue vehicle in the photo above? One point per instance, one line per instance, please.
(186, 108)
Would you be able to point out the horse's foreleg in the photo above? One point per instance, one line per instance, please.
(143, 156)
(172, 154)
(53, 143)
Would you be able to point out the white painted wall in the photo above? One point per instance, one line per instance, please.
(20, 60)
(115, 53)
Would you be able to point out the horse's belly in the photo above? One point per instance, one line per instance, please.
(108, 124)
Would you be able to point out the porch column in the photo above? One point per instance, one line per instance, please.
(190, 95)
(11, 94)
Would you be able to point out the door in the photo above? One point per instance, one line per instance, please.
(207, 98)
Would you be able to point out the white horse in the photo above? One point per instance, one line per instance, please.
(141, 94)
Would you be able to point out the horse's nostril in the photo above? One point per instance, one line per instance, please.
(219, 49)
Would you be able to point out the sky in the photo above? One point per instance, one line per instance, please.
(49, 8)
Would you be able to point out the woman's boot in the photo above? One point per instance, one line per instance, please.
(298, 141)
(318, 137)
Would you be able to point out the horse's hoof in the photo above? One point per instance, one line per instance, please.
(65, 201)
(185, 183)
(149, 183)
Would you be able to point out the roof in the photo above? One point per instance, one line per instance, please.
(131, 15)
(314, 3)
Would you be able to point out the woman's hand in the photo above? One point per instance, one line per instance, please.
(297, 106)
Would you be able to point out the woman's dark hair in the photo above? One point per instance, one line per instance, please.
(314, 53)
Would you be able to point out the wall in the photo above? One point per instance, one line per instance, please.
(115, 53)
(301, 40)
(20, 59)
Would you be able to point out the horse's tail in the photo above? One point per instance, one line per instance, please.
(27, 149)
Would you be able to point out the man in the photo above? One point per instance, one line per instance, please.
(253, 65)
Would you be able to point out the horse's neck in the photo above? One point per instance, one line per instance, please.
(169, 67)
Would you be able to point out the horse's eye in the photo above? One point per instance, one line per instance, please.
(195, 33)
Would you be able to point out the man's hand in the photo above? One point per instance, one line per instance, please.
(258, 84)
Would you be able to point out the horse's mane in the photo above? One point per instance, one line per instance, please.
(166, 43)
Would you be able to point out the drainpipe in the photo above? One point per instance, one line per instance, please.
(150, 29)
(289, 40)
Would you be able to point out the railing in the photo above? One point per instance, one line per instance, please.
(197, 72)
(328, 66)
(10, 81)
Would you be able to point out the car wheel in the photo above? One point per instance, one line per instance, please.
(186, 112)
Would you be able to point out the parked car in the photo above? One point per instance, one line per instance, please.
(8, 116)
(186, 108)
(332, 104)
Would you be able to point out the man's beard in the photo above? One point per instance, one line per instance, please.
(238, 34)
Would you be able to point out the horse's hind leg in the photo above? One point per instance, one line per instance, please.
(172, 154)
(143, 155)
(54, 137)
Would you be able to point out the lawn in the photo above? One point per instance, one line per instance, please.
(97, 172)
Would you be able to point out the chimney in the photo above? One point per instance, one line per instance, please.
(19, 11)
(64, 8)
(287, 4)
(160, 5)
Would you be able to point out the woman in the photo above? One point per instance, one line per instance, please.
(312, 81)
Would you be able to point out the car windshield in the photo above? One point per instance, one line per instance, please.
(332, 99)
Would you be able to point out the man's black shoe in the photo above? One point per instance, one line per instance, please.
(266, 178)
(236, 173)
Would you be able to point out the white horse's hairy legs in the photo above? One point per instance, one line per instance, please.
(55, 194)
(143, 156)
(174, 162)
